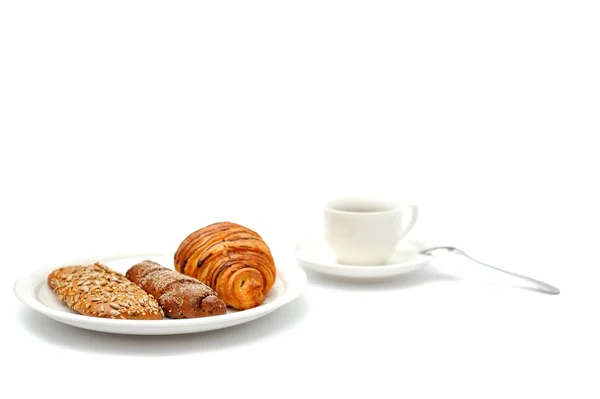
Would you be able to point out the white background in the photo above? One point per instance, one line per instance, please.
(127, 124)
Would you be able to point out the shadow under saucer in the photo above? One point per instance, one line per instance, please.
(424, 275)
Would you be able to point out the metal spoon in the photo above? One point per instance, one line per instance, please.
(547, 288)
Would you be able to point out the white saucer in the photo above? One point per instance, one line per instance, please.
(315, 254)
(32, 289)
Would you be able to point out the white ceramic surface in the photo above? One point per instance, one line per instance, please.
(316, 255)
(366, 231)
(32, 289)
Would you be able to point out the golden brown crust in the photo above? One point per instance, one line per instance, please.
(230, 258)
(98, 291)
(179, 296)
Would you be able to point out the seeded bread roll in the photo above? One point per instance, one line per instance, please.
(179, 296)
(98, 291)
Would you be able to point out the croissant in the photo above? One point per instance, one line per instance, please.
(231, 259)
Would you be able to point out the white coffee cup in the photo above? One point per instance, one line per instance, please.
(366, 231)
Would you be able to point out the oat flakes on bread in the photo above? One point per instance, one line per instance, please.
(98, 291)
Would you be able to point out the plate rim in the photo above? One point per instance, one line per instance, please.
(25, 289)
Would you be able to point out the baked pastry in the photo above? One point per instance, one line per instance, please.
(178, 295)
(231, 259)
(96, 290)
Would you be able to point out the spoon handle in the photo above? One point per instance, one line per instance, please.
(540, 284)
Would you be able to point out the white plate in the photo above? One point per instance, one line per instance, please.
(315, 254)
(33, 290)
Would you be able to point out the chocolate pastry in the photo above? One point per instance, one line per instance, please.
(178, 295)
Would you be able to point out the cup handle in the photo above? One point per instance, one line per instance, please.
(413, 219)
